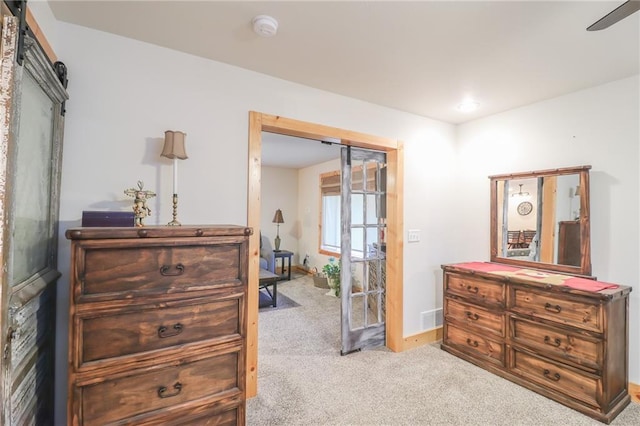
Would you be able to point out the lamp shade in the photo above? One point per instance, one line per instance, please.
(174, 145)
(277, 218)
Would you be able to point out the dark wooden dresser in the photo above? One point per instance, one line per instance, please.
(569, 252)
(561, 336)
(157, 330)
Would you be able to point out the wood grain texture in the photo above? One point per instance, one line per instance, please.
(149, 328)
(7, 94)
(302, 129)
(569, 247)
(254, 204)
(27, 297)
(634, 390)
(566, 344)
(478, 290)
(39, 34)
(421, 339)
(150, 391)
(472, 316)
(154, 348)
(395, 248)
(548, 230)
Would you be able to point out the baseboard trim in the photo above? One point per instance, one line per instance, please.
(302, 270)
(423, 338)
(634, 391)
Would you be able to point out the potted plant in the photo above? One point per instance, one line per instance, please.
(332, 271)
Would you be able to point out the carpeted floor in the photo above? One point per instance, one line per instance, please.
(303, 380)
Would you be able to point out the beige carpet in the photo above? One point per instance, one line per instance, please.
(303, 380)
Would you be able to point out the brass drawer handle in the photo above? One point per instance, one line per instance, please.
(163, 389)
(165, 270)
(472, 289)
(472, 316)
(548, 375)
(162, 331)
(555, 309)
(555, 343)
(473, 343)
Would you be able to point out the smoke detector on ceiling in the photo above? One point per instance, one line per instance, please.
(265, 26)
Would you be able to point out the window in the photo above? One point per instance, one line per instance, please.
(330, 234)
(330, 213)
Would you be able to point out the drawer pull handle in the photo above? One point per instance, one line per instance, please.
(472, 289)
(166, 270)
(163, 389)
(548, 375)
(473, 343)
(162, 330)
(472, 316)
(551, 308)
(555, 342)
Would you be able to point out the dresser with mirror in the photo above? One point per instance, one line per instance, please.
(534, 314)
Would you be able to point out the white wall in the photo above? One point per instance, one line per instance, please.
(309, 210)
(279, 190)
(599, 126)
(124, 94)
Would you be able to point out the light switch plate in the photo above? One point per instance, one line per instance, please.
(414, 235)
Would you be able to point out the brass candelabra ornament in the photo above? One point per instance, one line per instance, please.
(140, 207)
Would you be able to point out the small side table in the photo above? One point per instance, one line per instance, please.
(285, 255)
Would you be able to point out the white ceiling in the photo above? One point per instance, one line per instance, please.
(422, 57)
(294, 153)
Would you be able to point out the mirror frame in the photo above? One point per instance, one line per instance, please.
(585, 235)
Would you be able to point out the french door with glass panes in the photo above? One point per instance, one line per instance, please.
(363, 249)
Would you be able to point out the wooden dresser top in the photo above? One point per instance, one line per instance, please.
(88, 233)
(548, 280)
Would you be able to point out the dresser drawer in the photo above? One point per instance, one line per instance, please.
(475, 317)
(156, 269)
(563, 345)
(226, 412)
(151, 327)
(583, 314)
(474, 343)
(563, 379)
(146, 392)
(475, 289)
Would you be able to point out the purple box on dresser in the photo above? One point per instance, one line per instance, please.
(105, 219)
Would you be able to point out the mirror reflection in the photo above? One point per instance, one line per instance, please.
(542, 217)
(529, 226)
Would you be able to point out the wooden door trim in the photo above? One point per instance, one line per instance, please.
(259, 122)
(39, 35)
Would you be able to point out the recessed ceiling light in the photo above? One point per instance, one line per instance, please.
(468, 106)
(265, 26)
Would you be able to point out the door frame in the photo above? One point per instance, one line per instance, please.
(259, 122)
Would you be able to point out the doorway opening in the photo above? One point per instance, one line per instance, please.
(259, 122)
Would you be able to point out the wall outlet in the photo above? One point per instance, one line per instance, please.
(414, 235)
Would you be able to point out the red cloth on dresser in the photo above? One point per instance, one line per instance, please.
(534, 275)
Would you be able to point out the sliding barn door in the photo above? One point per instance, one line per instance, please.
(31, 118)
(363, 251)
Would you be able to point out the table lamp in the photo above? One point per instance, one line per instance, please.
(174, 149)
(278, 219)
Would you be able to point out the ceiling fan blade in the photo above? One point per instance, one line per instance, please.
(621, 12)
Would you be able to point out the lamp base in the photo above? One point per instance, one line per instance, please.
(277, 243)
(175, 222)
